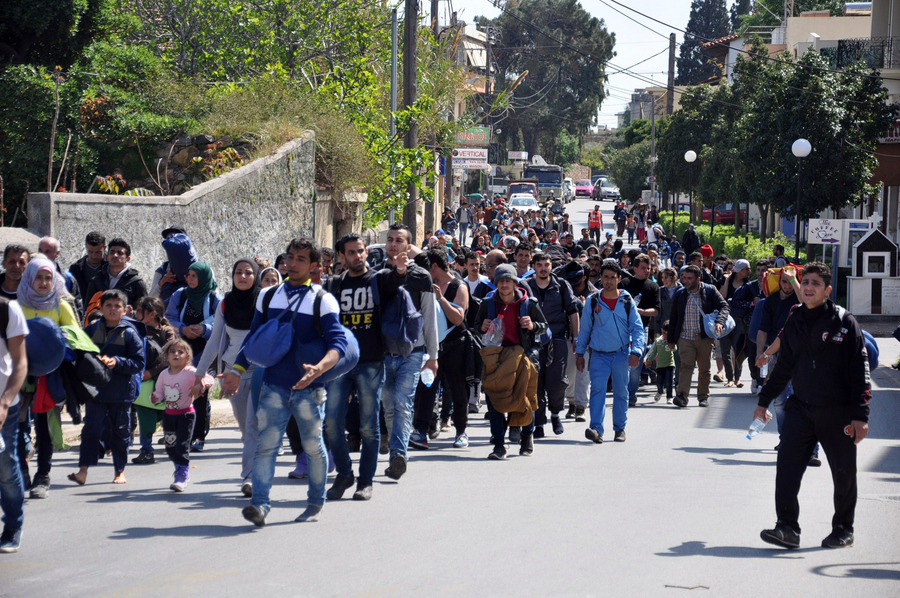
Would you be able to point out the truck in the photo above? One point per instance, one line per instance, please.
(523, 186)
(549, 177)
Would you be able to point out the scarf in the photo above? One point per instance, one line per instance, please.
(28, 297)
(206, 285)
(239, 306)
(270, 268)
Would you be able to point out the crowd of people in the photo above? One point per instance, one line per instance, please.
(521, 321)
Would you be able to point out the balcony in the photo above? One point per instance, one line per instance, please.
(876, 52)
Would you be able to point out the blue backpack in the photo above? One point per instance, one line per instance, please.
(401, 322)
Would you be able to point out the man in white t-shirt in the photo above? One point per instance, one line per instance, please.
(13, 369)
(473, 266)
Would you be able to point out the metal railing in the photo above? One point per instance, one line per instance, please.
(876, 52)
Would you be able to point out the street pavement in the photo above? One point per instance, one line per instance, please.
(675, 510)
(678, 506)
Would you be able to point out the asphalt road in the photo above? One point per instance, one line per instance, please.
(678, 506)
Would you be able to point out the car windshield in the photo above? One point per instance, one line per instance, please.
(523, 201)
(607, 183)
(520, 188)
(583, 183)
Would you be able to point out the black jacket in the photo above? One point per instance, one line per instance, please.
(823, 353)
(711, 300)
(130, 283)
(83, 274)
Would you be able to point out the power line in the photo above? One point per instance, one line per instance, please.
(747, 52)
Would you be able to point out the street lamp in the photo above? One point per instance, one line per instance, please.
(800, 148)
(689, 157)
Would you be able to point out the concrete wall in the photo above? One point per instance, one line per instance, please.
(251, 211)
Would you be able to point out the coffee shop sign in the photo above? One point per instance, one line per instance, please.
(824, 232)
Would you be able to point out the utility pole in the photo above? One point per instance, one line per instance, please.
(670, 87)
(410, 25)
(432, 210)
(653, 150)
(393, 89)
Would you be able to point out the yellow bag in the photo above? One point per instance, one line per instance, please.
(771, 282)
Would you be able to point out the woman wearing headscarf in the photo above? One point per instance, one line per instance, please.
(230, 327)
(42, 293)
(192, 311)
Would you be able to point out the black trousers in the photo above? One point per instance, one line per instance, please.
(201, 425)
(552, 380)
(178, 430)
(455, 393)
(803, 427)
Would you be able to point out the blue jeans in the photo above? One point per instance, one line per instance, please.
(12, 487)
(634, 375)
(604, 365)
(401, 376)
(463, 227)
(276, 405)
(366, 379)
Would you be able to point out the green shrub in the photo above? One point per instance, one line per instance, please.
(726, 240)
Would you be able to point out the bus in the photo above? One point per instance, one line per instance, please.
(549, 178)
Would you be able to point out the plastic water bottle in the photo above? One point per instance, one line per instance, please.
(757, 426)
(2, 444)
(764, 371)
(427, 377)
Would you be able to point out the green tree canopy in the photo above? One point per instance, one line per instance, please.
(564, 86)
(708, 21)
(629, 168)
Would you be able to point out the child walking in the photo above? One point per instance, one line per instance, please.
(665, 364)
(177, 386)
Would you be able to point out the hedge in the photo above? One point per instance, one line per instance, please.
(725, 240)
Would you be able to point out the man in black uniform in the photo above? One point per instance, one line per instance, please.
(823, 353)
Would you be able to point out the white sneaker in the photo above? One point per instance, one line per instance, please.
(657, 397)
(754, 387)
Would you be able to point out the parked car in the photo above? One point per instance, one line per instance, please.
(724, 214)
(568, 190)
(608, 190)
(583, 187)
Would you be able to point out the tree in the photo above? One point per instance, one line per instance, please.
(564, 86)
(637, 131)
(708, 21)
(739, 10)
(48, 32)
(629, 168)
(593, 157)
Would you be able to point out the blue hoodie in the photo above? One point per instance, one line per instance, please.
(609, 331)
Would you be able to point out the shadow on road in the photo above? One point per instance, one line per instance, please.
(199, 531)
(860, 571)
(736, 552)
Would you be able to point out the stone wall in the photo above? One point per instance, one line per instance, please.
(251, 211)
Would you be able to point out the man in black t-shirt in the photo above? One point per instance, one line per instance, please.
(646, 295)
(353, 290)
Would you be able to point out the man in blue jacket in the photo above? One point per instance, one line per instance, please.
(290, 387)
(122, 350)
(611, 330)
